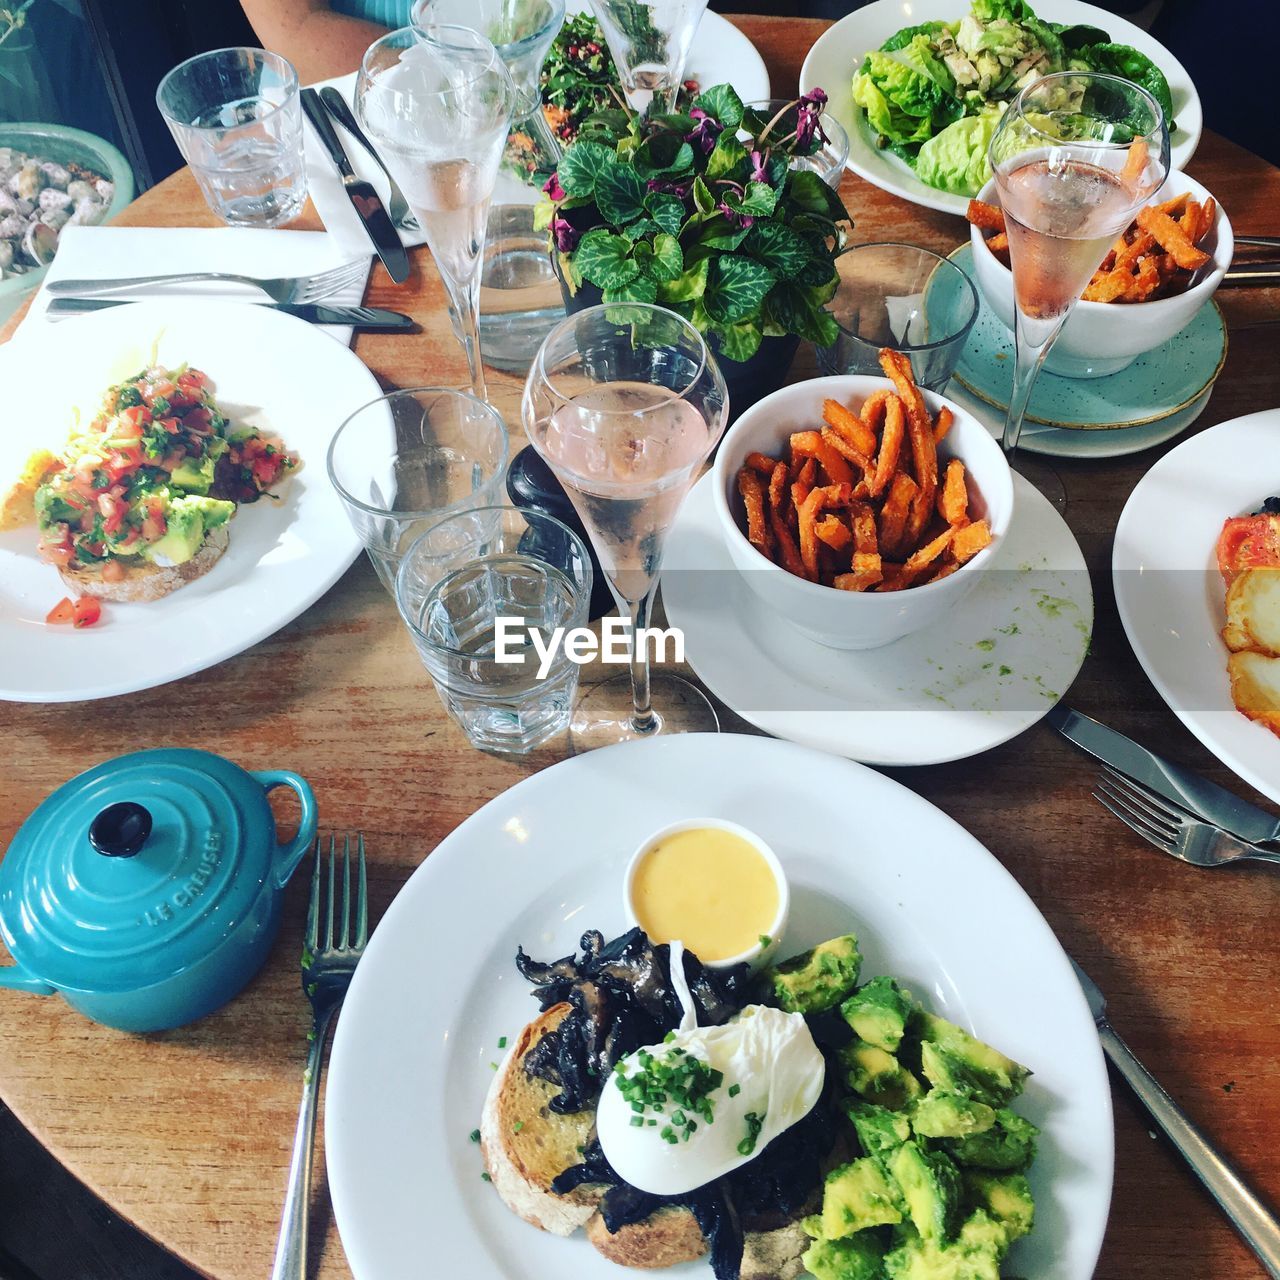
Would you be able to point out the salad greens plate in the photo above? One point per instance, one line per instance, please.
(946, 138)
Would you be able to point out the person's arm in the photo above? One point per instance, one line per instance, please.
(319, 43)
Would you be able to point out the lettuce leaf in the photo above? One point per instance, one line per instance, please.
(904, 37)
(903, 105)
(1125, 61)
(955, 160)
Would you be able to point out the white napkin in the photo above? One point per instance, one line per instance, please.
(101, 253)
(326, 190)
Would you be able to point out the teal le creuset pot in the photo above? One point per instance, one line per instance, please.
(147, 891)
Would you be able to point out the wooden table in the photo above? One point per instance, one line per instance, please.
(187, 1133)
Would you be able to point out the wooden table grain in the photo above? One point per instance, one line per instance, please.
(187, 1133)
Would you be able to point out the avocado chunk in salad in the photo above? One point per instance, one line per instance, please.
(816, 979)
(933, 93)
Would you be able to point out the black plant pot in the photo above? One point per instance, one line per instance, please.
(746, 380)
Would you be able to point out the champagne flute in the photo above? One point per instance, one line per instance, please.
(1075, 156)
(625, 403)
(650, 43)
(437, 101)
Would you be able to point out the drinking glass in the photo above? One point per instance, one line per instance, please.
(779, 117)
(408, 459)
(237, 119)
(484, 569)
(1075, 156)
(650, 43)
(900, 296)
(437, 103)
(625, 403)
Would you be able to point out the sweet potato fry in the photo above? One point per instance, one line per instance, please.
(866, 572)
(847, 424)
(1111, 287)
(834, 532)
(834, 440)
(1171, 237)
(808, 513)
(1146, 281)
(865, 539)
(889, 457)
(967, 542)
(803, 481)
(751, 487)
(924, 453)
(891, 577)
(893, 515)
(1127, 258)
(1135, 163)
(942, 424)
(953, 497)
(873, 412)
(761, 463)
(779, 489)
(1175, 207)
(943, 571)
(999, 243)
(788, 552)
(989, 217)
(827, 456)
(926, 555)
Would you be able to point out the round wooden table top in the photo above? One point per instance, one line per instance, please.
(187, 1133)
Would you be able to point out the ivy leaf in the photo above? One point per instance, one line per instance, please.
(666, 260)
(620, 192)
(736, 287)
(721, 102)
(666, 210)
(637, 290)
(605, 259)
(703, 200)
(727, 158)
(581, 165)
(794, 310)
(807, 190)
(778, 247)
(719, 233)
(664, 154)
(638, 230)
(760, 200)
(738, 341)
(689, 286)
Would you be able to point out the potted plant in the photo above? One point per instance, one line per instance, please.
(704, 213)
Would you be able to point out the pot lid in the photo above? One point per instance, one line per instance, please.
(135, 870)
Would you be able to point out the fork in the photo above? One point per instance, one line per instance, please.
(312, 288)
(1170, 828)
(328, 963)
(398, 207)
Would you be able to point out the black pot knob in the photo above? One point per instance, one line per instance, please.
(120, 830)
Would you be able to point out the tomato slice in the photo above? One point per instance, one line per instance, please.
(87, 611)
(1248, 542)
(61, 613)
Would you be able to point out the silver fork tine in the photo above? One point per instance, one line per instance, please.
(328, 936)
(362, 898)
(1136, 789)
(329, 282)
(1135, 802)
(346, 893)
(313, 904)
(1133, 822)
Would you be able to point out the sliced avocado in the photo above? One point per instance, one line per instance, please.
(878, 1012)
(857, 1196)
(194, 477)
(215, 511)
(878, 1076)
(859, 1257)
(817, 979)
(943, 1114)
(1009, 1145)
(967, 1060)
(878, 1129)
(1005, 1197)
(930, 1186)
(182, 538)
(974, 1254)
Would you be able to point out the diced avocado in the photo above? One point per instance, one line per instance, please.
(192, 476)
(930, 1186)
(879, 1129)
(878, 1076)
(878, 1012)
(812, 1226)
(974, 1254)
(1009, 1145)
(52, 509)
(967, 1060)
(817, 979)
(860, 1257)
(943, 1114)
(1005, 1197)
(857, 1196)
(216, 511)
(187, 521)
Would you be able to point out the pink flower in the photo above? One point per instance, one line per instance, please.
(553, 188)
(758, 159)
(566, 235)
(706, 132)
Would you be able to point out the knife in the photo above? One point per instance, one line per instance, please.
(1255, 1222)
(357, 317)
(364, 199)
(1201, 797)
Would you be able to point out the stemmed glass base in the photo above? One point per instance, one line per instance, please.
(604, 714)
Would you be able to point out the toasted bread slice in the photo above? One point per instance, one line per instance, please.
(663, 1239)
(146, 581)
(774, 1255)
(1253, 612)
(18, 505)
(1255, 687)
(526, 1145)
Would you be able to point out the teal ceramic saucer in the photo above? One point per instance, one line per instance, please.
(1160, 393)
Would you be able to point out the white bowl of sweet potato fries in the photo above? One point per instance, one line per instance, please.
(1164, 268)
(861, 509)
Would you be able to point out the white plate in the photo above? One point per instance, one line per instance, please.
(1171, 595)
(839, 51)
(267, 368)
(1008, 654)
(544, 861)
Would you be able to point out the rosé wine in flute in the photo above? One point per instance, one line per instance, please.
(1074, 157)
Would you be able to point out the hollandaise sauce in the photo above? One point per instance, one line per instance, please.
(709, 888)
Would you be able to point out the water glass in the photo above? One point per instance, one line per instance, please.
(237, 119)
(477, 572)
(650, 41)
(900, 296)
(409, 459)
(833, 142)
